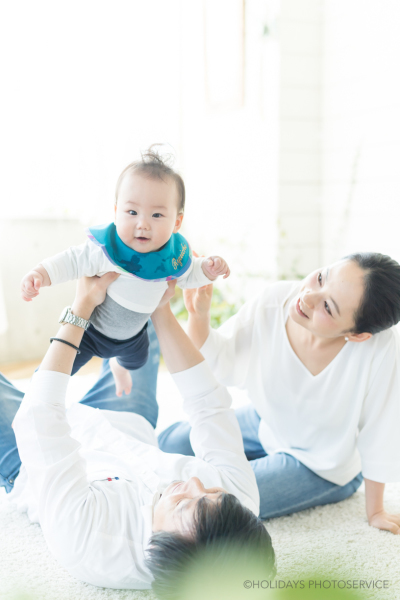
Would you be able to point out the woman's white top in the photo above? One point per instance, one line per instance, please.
(342, 421)
(91, 477)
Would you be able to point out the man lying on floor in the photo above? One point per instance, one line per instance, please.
(114, 509)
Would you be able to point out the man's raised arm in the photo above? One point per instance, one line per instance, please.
(215, 435)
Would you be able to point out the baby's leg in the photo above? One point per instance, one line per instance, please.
(132, 355)
(122, 377)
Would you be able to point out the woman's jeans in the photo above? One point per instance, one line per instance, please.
(142, 400)
(285, 484)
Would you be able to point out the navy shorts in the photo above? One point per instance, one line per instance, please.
(131, 353)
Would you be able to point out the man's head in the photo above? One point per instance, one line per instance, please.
(149, 203)
(207, 521)
(175, 510)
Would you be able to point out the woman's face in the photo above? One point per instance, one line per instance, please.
(328, 299)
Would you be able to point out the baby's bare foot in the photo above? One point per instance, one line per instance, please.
(122, 378)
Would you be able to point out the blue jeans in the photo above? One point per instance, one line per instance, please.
(142, 400)
(286, 486)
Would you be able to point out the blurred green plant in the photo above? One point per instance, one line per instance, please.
(221, 308)
(244, 576)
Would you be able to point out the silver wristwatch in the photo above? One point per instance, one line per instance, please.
(67, 316)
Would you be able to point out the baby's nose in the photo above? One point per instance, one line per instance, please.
(142, 223)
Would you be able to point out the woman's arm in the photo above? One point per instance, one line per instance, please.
(378, 439)
(377, 516)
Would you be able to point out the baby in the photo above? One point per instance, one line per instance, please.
(144, 246)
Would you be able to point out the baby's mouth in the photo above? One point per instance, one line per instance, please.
(142, 239)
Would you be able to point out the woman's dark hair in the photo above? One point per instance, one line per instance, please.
(155, 166)
(380, 306)
(224, 529)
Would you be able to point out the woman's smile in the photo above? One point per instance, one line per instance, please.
(301, 313)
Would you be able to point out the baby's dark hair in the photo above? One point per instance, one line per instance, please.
(155, 166)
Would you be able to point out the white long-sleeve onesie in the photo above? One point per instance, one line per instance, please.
(129, 301)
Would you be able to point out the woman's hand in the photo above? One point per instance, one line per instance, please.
(384, 520)
(90, 292)
(377, 515)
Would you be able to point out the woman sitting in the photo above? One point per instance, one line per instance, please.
(320, 361)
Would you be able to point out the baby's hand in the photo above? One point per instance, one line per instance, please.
(215, 266)
(30, 285)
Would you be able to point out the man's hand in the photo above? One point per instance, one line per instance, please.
(215, 266)
(198, 301)
(33, 281)
(384, 520)
(90, 292)
(168, 295)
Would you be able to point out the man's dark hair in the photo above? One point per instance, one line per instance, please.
(218, 528)
(380, 305)
(155, 166)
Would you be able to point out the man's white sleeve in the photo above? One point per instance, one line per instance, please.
(55, 467)
(77, 261)
(379, 440)
(215, 435)
(194, 277)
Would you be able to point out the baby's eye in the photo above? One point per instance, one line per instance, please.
(132, 212)
(157, 215)
(319, 278)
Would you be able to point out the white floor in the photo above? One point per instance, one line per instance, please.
(334, 540)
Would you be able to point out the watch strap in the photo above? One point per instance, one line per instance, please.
(74, 319)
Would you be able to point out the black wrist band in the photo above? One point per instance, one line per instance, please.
(65, 342)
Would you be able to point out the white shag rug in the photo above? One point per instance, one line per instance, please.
(334, 541)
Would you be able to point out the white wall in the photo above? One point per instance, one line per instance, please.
(230, 154)
(300, 39)
(361, 128)
(31, 324)
(90, 86)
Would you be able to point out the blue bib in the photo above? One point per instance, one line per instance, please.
(170, 262)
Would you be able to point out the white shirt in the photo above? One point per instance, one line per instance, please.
(128, 291)
(337, 423)
(99, 529)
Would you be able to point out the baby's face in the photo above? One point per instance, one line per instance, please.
(146, 214)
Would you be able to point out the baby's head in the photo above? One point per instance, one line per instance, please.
(149, 203)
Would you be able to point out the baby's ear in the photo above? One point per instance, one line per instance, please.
(178, 222)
